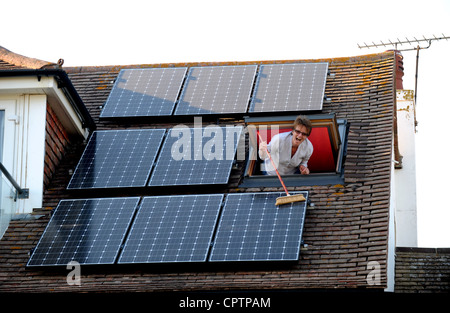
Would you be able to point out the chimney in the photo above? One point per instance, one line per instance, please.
(399, 70)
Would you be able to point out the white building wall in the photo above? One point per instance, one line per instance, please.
(32, 151)
(405, 178)
(24, 145)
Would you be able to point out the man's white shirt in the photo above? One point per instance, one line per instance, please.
(281, 145)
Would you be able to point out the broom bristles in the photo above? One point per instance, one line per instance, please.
(290, 199)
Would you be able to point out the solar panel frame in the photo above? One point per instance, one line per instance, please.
(217, 90)
(88, 231)
(252, 228)
(172, 229)
(144, 92)
(289, 87)
(201, 168)
(117, 158)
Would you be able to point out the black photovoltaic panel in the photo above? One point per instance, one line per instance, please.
(172, 229)
(217, 90)
(117, 158)
(252, 228)
(289, 87)
(88, 231)
(144, 92)
(193, 156)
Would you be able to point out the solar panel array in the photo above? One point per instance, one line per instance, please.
(144, 92)
(88, 231)
(117, 158)
(196, 156)
(206, 90)
(290, 87)
(172, 229)
(217, 89)
(252, 228)
(186, 156)
(181, 228)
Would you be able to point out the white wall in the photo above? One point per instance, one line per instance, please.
(24, 145)
(405, 178)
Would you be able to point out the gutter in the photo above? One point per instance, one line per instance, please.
(65, 84)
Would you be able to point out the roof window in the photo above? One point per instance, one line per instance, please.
(328, 137)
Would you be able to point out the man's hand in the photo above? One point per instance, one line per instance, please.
(263, 147)
(304, 170)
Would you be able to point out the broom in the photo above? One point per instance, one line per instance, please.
(288, 198)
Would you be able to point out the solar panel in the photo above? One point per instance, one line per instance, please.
(252, 228)
(217, 90)
(88, 231)
(172, 229)
(196, 156)
(117, 158)
(289, 87)
(144, 92)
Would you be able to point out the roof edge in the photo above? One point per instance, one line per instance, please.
(23, 61)
(100, 68)
(65, 83)
(429, 250)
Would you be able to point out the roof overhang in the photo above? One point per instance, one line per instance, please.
(61, 94)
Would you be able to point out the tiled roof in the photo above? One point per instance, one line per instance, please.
(422, 270)
(8, 66)
(346, 229)
(10, 60)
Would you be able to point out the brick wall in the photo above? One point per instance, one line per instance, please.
(422, 270)
(56, 144)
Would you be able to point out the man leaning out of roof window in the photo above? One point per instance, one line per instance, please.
(290, 151)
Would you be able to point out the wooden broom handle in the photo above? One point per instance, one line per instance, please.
(273, 164)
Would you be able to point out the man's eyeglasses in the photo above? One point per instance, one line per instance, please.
(300, 132)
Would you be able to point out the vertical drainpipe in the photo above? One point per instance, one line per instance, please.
(398, 84)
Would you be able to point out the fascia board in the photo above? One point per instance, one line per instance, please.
(32, 85)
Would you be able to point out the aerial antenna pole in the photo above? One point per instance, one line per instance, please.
(424, 43)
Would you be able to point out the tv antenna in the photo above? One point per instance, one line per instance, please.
(424, 43)
(406, 41)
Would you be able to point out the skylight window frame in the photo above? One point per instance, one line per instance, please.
(338, 130)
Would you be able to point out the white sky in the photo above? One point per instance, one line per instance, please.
(98, 32)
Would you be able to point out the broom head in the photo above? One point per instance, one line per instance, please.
(289, 199)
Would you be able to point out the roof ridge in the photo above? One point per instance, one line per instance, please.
(118, 67)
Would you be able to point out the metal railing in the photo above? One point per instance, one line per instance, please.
(8, 204)
(21, 193)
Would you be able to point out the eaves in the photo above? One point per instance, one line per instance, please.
(53, 82)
